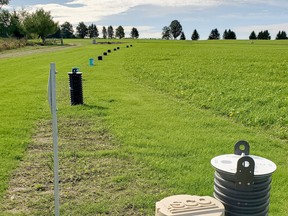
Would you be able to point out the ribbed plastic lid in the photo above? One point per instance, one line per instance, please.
(228, 163)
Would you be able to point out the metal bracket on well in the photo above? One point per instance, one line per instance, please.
(241, 147)
(245, 173)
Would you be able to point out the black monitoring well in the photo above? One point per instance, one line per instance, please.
(75, 84)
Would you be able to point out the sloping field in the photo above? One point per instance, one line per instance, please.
(155, 114)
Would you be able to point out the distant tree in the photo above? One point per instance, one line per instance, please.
(3, 2)
(264, 35)
(5, 18)
(96, 31)
(93, 31)
(182, 36)
(166, 33)
(214, 35)
(260, 35)
(195, 35)
(11, 24)
(104, 32)
(281, 35)
(110, 32)
(57, 34)
(230, 35)
(134, 33)
(67, 30)
(120, 32)
(253, 36)
(225, 34)
(267, 35)
(82, 30)
(16, 28)
(40, 23)
(175, 28)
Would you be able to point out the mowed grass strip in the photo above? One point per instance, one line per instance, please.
(94, 178)
(23, 103)
(90, 166)
(167, 141)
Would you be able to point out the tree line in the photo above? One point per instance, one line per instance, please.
(22, 24)
(83, 31)
(91, 31)
(174, 30)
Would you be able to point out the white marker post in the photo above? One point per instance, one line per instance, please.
(52, 102)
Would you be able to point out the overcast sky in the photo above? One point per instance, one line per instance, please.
(150, 16)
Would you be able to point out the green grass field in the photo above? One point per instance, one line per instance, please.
(155, 114)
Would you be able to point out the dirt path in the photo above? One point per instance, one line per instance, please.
(33, 50)
(87, 176)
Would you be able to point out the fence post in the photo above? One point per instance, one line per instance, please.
(52, 102)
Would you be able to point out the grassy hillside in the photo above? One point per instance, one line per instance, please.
(239, 80)
(155, 114)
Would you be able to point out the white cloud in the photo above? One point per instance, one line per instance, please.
(131, 3)
(144, 31)
(92, 11)
(74, 15)
(6, 7)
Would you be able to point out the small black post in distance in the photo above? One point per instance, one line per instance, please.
(75, 85)
(105, 53)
